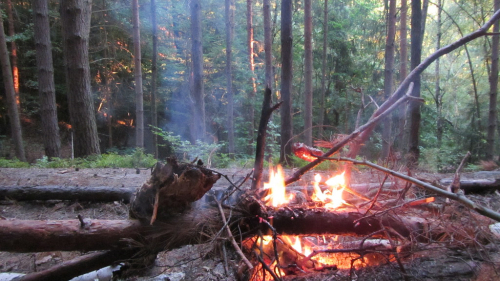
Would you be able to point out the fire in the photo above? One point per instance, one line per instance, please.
(331, 198)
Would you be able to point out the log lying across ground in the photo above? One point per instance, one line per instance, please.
(55, 192)
(475, 185)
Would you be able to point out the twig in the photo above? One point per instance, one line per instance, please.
(395, 252)
(231, 237)
(296, 176)
(457, 197)
(155, 207)
(266, 267)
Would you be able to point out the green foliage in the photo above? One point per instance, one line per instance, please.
(13, 163)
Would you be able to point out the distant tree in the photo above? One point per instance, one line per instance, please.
(229, 15)
(286, 81)
(308, 73)
(13, 50)
(15, 123)
(389, 74)
(492, 115)
(438, 96)
(154, 75)
(251, 63)
(139, 95)
(323, 70)
(197, 90)
(75, 22)
(268, 45)
(416, 53)
(46, 86)
(403, 70)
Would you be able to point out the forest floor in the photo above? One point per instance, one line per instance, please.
(203, 262)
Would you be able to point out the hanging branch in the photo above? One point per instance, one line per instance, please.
(460, 197)
(296, 176)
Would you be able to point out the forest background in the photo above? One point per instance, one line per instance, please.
(195, 82)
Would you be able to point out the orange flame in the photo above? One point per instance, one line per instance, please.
(276, 185)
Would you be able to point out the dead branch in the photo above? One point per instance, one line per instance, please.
(298, 174)
(460, 197)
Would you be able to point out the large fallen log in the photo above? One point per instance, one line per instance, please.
(54, 192)
(474, 185)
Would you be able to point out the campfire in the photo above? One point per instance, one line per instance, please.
(288, 254)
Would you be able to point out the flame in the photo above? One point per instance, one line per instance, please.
(276, 185)
(332, 198)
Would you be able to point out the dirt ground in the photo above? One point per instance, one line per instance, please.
(204, 262)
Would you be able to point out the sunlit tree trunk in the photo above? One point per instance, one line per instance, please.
(13, 51)
(308, 73)
(321, 119)
(46, 86)
(154, 75)
(75, 21)
(389, 74)
(198, 95)
(268, 44)
(251, 62)
(15, 123)
(139, 95)
(492, 114)
(416, 52)
(286, 81)
(437, 87)
(229, 7)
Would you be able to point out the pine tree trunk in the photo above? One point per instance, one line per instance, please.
(197, 93)
(139, 95)
(403, 71)
(46, 86)
(251, 62)
(229, 8)
(323, 70)
(13, 52)
(268, 45)
(286, 81)
(154, 75)
(492, 115)
(15, 122)
(389, 75)
(308, 73)
(75, 21)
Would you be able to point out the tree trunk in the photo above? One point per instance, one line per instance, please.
(437, 87)
(139, 95)
(13, 52)
(251, 62)
(323, 70)
(492, 114)
(388, 75)
(46, 86)
(403, 70)
(15, 122)
(75, 21)
(229, 8)
(154, 75)
(268, 41)
(197, 93)
(286, 81)
(308, 73)
(416, 53)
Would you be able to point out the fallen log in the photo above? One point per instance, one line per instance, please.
(475, 185)
(55, 192)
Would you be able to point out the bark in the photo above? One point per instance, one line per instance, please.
(286, 81)
(75, 22)
(46, 86)
(389, 75)
(416, 53)
(65, 235)
(12, 107)
(197, 91)
(139, 95)
(229, 14)
(308, 73)
(438, 97)
(53, 192)
(403, 70)
(323, 70)
(154, 75)
(475, 185)
(492, 113)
